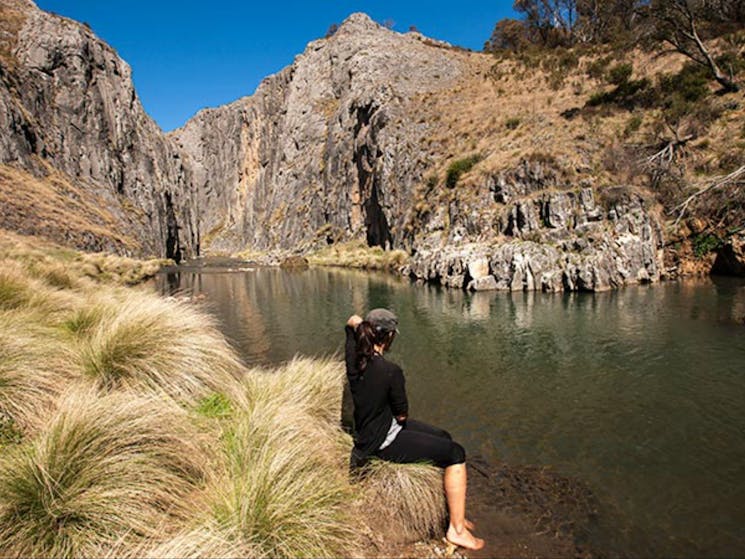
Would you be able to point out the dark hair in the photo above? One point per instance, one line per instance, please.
(368, 336)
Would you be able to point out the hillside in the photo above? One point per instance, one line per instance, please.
(508, 171)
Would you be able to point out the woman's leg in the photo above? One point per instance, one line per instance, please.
(455, 493)
(421, 427)
(415, 446)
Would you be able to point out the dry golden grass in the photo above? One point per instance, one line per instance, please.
(356, 254)
(404, 499)
(68, 268)
(105, 469)
(35, 366)
(55, 208)
(138, 340)
(135, 436)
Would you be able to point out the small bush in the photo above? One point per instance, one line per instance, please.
(460, 167)
(705, 243)
(633, 125)
(620, 74)
(512, 123)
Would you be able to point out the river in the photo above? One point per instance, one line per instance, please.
(638, 393)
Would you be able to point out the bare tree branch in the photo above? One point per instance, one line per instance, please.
(733, 177)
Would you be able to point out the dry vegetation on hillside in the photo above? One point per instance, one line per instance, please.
(565, 109)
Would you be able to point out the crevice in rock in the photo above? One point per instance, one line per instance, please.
(365, 160)
(173, 247)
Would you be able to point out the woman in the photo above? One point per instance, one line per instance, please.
(382, 427)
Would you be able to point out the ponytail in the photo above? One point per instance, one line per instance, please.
(368, 337)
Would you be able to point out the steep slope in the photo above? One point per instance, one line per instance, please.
(367, 135)
(81, 160)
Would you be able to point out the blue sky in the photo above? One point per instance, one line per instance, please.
(189, 55)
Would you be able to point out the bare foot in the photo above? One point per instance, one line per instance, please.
(464, 539)
(469, 525)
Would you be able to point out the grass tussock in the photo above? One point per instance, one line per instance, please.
(105, 469)
(19, 291)
(406, 499)
(34, 368)
(284, 489)
(142, 341)
(356, 254)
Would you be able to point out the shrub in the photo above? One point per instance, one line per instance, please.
(106, 469)
(512, 123)
(620, 74)
(705, 243)
(459, 167)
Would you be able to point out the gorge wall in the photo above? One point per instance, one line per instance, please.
(71, 121)
(355, 139)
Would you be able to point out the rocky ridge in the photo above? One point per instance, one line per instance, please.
(350, 141)
(68, 105)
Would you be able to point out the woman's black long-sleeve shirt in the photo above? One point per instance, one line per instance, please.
(379, 394)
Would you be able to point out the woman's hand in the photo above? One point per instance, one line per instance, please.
(354, 321)
(401, 419)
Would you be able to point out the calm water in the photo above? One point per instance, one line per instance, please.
(640, 393)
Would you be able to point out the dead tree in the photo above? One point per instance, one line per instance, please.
(678, 23)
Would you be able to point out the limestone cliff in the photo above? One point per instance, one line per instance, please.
(401, 140)
(76, 138)
(350, 141)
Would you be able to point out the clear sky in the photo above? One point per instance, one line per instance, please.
(186, 55)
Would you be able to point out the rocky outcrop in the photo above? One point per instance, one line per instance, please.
(554, 241)
(325, 149)
(730, 259)
(67, 102)
(334, 147)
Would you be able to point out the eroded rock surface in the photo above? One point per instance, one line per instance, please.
(345, 143)
(67, 102)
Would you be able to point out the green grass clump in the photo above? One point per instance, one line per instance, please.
(152, 343)
(357, 254)
(34, 370)
(215, 406)
(460, 167)
(106, 469)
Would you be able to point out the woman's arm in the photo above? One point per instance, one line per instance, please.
(350, 347)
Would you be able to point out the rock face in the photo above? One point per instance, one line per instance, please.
(67, 101)
(323, 149)
(554, 241)
(342, 144)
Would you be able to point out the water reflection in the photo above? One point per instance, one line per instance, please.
(638, 392)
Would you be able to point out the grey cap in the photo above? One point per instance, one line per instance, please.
(383, 319)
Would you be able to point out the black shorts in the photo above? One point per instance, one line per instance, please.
(419, 442)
